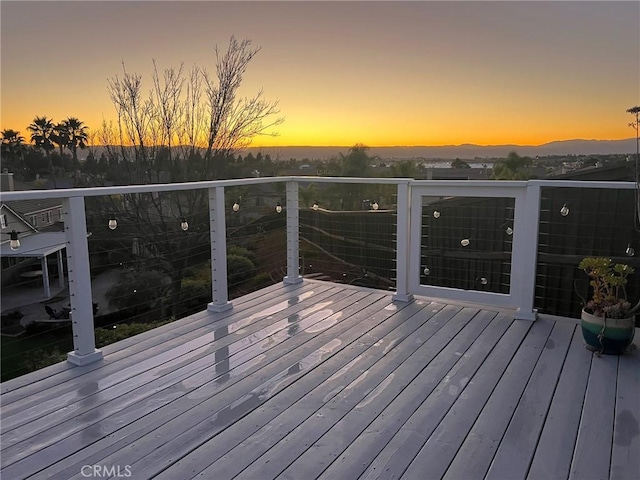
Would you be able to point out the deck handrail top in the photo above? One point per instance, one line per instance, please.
(185, 186)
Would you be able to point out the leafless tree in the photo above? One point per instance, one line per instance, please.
(182, 129)
(191, 113)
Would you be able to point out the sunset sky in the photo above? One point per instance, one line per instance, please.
(379, 73)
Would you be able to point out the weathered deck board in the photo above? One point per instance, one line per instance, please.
(252, 448)
(116, 377)
(70, 436)
(164, 370)
(400, 367)
(94, 453)
(209, 410)
(517, 445)
(553, 455)
(498, 394)
(46, 379)
(478, 377)
(329, 381)
(50, 372)
(593, 447)
(625, 460)
(419, 374)
(408, 405)
(182, 355)
(383, 332)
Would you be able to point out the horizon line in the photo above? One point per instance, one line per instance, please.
(448, 145)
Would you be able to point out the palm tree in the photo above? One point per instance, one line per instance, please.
(76, 136)
(512, 168)
(12, 149)
(60, 137)
(42, 130)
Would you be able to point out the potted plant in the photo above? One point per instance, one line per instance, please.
(608, 319)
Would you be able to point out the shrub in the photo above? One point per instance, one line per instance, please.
(194, 296)
(107, 336)
(261, 280)
(239, 269)
(41, 358)
(242, 252)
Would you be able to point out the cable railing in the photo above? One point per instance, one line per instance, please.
(518, 244)
(483, 242)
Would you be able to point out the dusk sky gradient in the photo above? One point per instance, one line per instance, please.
(378, 73)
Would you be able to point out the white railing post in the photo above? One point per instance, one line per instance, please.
(403, 237)
(218, 239)
(293, 235)
(524, 253)
(84, 340)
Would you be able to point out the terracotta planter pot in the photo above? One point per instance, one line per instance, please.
(607, 335)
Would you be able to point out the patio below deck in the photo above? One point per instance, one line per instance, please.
(320, 380)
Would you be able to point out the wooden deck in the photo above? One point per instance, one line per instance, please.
(320, 380)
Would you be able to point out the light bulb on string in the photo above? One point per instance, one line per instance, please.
(184, 225)
(113, 223)
(315, 206)
(236, 207)
(465, 242)
(436, 214)
(509, 231)
(14, 243)
(427, 271)
(564, 211)
(483, 281)
(630, 252)
(375, 205)
(278, 208)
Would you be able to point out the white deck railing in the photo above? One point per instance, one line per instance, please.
(527, 196)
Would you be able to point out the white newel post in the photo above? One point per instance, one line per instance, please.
(218, 237)
(293, 238)
(403, 251)
(524, 252)
(75, 227)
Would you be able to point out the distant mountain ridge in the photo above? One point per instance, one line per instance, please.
(464, 151)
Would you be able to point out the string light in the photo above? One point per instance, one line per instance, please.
(236, 207)
(436, 214)
(630, 252)
(184, 225)
(278, 208)
(483, 281)
(113, 223)
(465, 242)
(564, 211)
(427, 271)
(375, 205)
(14, 244)
(509, 231)
(315, 206)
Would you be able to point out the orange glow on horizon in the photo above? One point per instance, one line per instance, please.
(328, 135)
(412, 74)
(317, 125)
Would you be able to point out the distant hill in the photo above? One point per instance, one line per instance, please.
(465, 151)
(445, 152)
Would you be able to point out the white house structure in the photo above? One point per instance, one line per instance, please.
(38, 224)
